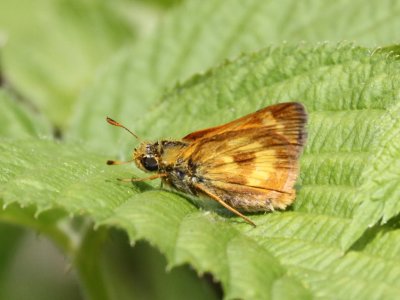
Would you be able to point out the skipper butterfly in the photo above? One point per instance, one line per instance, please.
(247, 165)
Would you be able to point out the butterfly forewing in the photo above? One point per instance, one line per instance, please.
(287, 119)
(251, 163)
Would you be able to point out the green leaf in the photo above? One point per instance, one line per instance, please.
(199, 34)
(381, 181)
(391, 50)
(73, 172)
(352, 99)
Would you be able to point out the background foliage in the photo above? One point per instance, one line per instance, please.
(166, 68)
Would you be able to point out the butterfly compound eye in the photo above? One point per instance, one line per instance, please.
(149, 163)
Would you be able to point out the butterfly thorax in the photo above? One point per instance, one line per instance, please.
(165, 157)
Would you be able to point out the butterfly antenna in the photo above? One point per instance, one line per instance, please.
(117, 162)
(115, 123)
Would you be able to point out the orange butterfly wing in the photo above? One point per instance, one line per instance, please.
(251, 163)
(283, 117)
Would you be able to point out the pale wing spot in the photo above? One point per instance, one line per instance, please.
(235, 142)
(226, 159)
(268, 119)
(265, 156)
(245, 145)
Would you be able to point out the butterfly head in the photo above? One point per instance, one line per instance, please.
(147, 157)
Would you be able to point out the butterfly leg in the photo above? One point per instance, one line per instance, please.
(155, 176)
(269, 204)
(220, 201)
